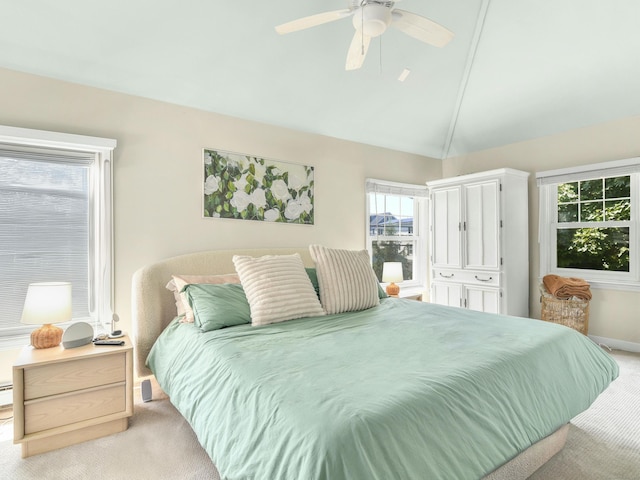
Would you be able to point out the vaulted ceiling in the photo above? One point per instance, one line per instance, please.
(515, 70)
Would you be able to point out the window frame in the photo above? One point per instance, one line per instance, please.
(420, 221)
(101, 282)
(548, 182)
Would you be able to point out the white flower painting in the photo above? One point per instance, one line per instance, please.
(252, 188)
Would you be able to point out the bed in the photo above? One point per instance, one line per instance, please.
(403, 390)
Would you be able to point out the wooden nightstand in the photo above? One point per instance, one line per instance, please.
(63, 397)
(409, 295)
(415, 296)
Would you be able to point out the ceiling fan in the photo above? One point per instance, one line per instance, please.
(371, 19)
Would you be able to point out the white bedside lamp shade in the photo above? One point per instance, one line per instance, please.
(391, 273)
(47, 303)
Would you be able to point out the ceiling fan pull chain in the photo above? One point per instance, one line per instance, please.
(362, 28)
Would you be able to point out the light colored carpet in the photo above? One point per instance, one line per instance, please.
(158, 445)
(603, 444)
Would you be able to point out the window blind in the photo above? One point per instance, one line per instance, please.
(44, 227)
(393, 188)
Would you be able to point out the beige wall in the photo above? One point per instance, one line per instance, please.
(614, 314)
(157, 185)
(158, 172)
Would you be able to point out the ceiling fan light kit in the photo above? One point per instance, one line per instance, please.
(371, 18)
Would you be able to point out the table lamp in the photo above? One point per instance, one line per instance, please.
(47, 303)
(391, 273)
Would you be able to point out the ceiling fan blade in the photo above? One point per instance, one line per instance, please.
(357, 50)
(421, 28)
(312, 21)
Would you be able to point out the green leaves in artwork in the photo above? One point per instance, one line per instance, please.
(253, 188)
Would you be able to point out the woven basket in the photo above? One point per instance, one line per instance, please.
(573, 312)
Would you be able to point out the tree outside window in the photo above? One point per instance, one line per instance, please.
(593, 224)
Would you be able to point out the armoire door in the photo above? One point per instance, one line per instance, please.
(482, 225)
(446, 227)
(482, 299)
(449, 294)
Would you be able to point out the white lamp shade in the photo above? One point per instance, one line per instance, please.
(47, 302)
(392, 272)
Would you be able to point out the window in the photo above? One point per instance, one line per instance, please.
(55, 223)
(395, 230)
(589, 223)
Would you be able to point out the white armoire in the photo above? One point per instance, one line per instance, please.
(480, 242)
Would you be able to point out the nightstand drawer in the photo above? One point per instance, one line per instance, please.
(63, 377)
(52, 412)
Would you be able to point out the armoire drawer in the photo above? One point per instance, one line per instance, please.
(474, 277)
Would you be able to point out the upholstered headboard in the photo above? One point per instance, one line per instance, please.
(153, 306)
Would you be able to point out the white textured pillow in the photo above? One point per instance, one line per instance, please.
(277, 288)
(347, 281)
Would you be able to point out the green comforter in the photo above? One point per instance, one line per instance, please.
(406, 390)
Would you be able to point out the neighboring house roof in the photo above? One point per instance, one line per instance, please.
(389, 220)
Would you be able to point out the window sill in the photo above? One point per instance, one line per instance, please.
(411, 290)
(609, 285)
(15, 341)
(624, 286)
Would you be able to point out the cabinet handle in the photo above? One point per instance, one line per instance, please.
(446, 276)
(483, 279)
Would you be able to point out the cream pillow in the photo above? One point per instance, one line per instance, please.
(178, 282)
(347, 280)
(277, 288)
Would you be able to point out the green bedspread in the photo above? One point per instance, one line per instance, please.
(406, 390)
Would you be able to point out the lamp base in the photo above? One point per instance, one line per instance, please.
(46, 336)
(393, 290)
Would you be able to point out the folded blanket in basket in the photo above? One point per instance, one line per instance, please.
(567, 287)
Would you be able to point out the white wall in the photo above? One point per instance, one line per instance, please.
(613, 314)
(158, 172)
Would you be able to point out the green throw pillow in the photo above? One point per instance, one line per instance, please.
(313, 276)
(217, 306)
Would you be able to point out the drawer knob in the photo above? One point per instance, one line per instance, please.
(447, 276)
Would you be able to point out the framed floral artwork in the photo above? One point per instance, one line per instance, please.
(252, 188)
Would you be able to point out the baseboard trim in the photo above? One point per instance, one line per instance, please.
(6, 397)
(617, 344)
